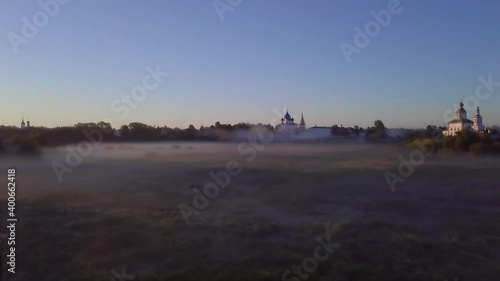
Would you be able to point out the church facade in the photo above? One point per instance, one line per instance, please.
(288, 125)
(462, 123)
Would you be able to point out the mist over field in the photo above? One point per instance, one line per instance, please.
(119, 208)
(233, 140)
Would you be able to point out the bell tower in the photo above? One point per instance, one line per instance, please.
(478, 121)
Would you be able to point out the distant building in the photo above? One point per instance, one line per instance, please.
(320, 132)
(25, 125)
(462, 123)
(288, 125)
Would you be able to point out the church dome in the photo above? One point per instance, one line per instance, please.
(461, 113)
(287, 116)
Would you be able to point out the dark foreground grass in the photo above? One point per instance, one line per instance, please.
(77, 244)
(441, 223)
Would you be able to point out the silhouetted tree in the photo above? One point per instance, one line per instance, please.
(38, 138)
(335, 129)
(140, 131)
(105, 127)
(428, 131)
(125, 132)
(190, 133)
(356, 130)
(381, 130)
(377, 132)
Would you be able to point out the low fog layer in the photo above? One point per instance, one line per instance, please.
(119, 207)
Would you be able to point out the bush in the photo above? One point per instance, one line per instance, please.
(478, 148)
(448, 142)
(38, 138)
(464, 139)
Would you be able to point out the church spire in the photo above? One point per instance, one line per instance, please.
(478, 121)
(302, 124)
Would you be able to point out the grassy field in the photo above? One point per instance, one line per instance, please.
(119, 210)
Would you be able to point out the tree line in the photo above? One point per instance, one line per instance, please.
(28, 140)
(136, 131)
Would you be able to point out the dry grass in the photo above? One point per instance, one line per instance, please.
(119, 209)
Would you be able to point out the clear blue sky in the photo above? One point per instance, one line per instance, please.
(264, 55)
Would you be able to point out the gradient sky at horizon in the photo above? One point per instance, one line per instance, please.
(264, 55)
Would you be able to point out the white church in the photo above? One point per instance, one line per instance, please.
(461, 122)
(288, 125)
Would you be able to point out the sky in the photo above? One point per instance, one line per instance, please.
(240, 64)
